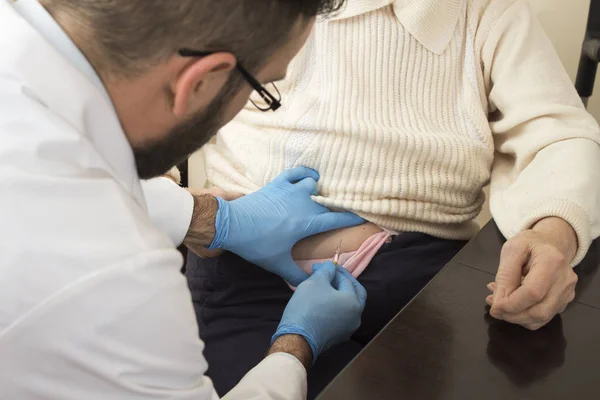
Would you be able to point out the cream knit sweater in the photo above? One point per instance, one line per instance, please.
(408, 109)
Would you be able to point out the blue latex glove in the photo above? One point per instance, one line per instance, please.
(325, 309)
(263, 227)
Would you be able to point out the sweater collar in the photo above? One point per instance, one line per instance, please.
(431, 22)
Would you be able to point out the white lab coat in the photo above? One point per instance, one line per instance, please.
(92, 303)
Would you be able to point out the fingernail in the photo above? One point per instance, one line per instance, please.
(496, 312)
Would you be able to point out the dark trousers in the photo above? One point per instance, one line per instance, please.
(239, 305)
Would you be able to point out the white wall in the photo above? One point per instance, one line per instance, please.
(565, 21)
(196, 171)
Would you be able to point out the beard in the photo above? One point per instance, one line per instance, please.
(155, 159)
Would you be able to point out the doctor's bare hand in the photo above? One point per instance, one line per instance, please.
(535, 280)
(325, 309)
(262, 227)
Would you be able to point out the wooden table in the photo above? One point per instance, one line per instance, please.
(444, 345)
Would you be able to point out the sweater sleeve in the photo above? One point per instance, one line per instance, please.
(547, 160)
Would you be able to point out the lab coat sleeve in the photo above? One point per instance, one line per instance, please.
(547, 161)
(170, 207)
(280, 376)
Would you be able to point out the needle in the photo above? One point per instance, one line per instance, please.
(338, 252)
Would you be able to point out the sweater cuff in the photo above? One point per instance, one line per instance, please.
(572, 214)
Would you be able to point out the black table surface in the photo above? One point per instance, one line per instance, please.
(444, 345)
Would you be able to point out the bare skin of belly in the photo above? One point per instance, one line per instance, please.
(325, 244)
(320, 246)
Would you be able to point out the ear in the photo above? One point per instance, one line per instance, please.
(200, 81)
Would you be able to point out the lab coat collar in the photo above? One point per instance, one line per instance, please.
(432, 22)
(55, 81)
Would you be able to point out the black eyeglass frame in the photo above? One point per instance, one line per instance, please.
(273, 103)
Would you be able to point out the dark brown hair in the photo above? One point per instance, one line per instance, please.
(125, 37)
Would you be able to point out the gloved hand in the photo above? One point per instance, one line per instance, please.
(263, 227)
(325, 309)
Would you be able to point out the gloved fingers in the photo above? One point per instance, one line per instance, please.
(341, 283)
(324, 272)
(308, 184)
(291, 272)
(345, 281)
(330, 221)
(297, 174)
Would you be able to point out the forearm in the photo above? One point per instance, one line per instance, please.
(202, 229)
(561, 234)
(547, 158)
(294, 345)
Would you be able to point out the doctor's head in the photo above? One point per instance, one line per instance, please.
(178, 70)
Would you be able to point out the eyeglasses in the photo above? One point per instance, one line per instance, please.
(271, 103)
